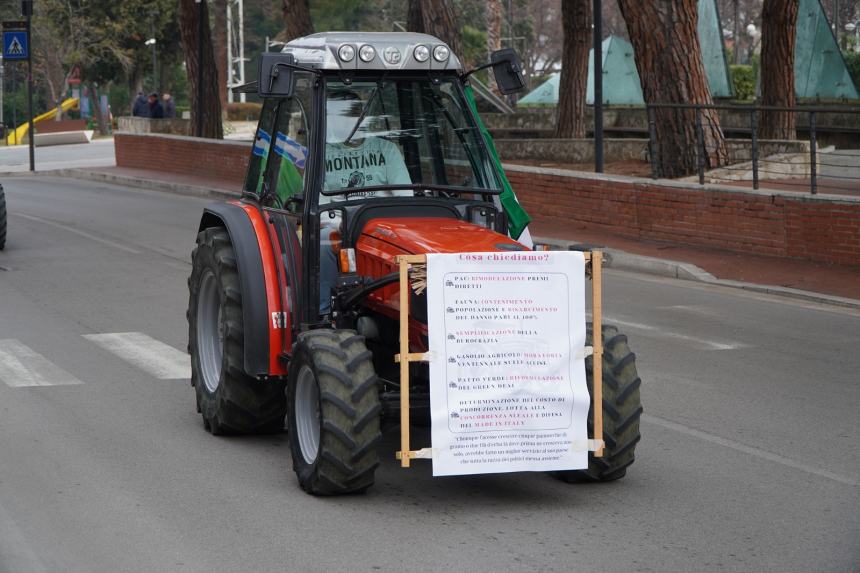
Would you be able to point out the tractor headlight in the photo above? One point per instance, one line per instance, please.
(421, 53)
(441, 53)
(346, 53)
(366, 53)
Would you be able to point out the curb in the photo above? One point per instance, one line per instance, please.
(613, 259)
(140, 183)
(623, 261)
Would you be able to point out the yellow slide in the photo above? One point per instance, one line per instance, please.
(16, 136)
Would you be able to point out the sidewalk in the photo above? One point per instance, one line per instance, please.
(788, 277)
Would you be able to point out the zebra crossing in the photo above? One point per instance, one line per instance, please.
(21, 366)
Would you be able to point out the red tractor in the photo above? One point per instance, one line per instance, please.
(368, 147)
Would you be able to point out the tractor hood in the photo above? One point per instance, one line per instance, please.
(433, 235)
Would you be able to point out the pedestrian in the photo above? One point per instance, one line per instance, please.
(141, 106)
(169, 106)
(156, 110)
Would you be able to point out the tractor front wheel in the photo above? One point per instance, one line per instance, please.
(230, 401)
(333, 411)
(622, 409)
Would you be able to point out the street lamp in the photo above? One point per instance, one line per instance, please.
(754, 35)
(152, 42)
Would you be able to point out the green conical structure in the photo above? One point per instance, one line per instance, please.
(819, 69)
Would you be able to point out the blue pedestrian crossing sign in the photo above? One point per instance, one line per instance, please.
(15, 45)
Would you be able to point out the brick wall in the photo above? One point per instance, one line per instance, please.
(210, 158)
(783, 224)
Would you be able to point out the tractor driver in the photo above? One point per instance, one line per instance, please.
(352, 160)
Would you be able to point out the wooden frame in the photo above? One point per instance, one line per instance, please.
(406, 454)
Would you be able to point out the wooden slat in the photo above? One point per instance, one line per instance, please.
(404, 365)
(597, 343)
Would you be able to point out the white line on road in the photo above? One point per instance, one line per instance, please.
(22, 367)
(704, 342)
(159, 359)
(765, 455)
(16, 553)
(693, 309)
(107, 242)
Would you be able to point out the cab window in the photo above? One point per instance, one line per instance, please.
(289, 146)
(262, 145)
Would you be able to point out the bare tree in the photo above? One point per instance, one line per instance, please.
(493, 19)
(210, 107)
(297, 19)
(435, 17)
(779, 24)
(542, 53)
(669, 61)
(219, 45)
(576, 23)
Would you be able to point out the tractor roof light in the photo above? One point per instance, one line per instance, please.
(346, 53)
(421, 53)
(366, 53)
(441, 53)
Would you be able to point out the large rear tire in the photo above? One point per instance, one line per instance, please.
(229, 400)
(2, 218)
(622, 409)
(333, 412)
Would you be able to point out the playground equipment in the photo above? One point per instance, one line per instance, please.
(17, 135)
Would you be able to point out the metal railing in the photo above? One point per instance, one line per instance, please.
(800, 164)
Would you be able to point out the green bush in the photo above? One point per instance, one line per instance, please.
(243, 111)
(852, 60)
(743, 78)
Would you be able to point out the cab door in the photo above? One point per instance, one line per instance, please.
(281, 193)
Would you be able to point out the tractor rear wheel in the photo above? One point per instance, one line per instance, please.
(2, 218)
(333, 411)
(621, 410)
(230, 401)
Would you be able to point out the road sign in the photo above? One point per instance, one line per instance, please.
(16, 41)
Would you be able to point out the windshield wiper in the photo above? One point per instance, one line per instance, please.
(414, 187)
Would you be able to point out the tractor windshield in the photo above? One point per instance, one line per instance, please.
(402, 137)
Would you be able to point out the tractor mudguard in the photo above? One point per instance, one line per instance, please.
(255, 319)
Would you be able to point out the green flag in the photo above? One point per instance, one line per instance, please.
(518, 219)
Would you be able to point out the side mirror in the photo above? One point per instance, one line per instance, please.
(276, 75)
(507, 71)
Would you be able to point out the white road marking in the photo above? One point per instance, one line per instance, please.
(765, 455)
(693, 309)
(703, 342)
(22, 367)
(18, 555)
(159, 359)
(107, 242)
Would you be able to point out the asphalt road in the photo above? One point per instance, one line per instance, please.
(749, 459)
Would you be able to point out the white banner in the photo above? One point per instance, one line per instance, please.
(507, 367)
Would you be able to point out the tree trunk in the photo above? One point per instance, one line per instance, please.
(101, 121)
(778, 27)
(219, 45)
(576, 26)
(669, 61)
(210, 107)
(435, 17)
(297, 19)
(493, 17)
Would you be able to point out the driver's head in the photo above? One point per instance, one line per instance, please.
(342, 112)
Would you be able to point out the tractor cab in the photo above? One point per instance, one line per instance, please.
(358, 128)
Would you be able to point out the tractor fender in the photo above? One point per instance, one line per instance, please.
(249, 261)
